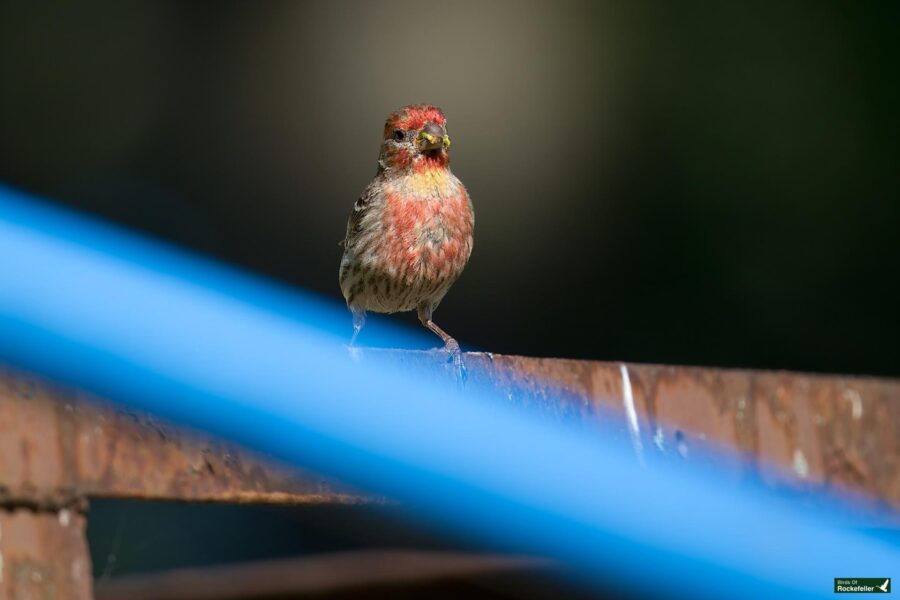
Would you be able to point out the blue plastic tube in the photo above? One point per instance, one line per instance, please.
(160, 330)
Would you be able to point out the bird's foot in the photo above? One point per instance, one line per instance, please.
(451, 347)
(454, 355)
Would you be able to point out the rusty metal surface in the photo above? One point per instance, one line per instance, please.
(795, 431)
(56, 450)
(44, 556)
(807, 432)
(800, 431)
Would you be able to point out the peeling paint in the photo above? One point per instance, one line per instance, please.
(801, 467)
(631, 413)
(659, 439)
(856, 403)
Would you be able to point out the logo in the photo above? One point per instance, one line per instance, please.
(862, 585)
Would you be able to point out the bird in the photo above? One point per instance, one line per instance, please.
(410, 233)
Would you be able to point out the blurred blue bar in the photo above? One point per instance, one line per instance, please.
(163, 331)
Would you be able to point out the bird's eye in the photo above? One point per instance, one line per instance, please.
(398, 135)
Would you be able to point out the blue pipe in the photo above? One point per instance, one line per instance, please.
(159, 330)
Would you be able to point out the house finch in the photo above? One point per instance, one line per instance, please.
(410, 233)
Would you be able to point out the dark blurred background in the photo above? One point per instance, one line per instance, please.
(669, 182)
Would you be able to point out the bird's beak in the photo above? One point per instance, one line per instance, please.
(433, 137)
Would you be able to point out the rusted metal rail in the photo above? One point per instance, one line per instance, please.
(58, 449)
(804, 431)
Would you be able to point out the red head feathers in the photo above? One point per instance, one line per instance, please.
(415, 116)
(415, 137)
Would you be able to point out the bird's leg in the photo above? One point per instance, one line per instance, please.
(451, 346)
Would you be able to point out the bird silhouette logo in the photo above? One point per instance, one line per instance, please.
(885, 587)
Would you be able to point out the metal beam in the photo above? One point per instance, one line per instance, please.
(795, 431)
(59, 448)
(44, 555)
(800, 431)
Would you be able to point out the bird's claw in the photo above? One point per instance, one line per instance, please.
(452, 348)
(454, 355)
